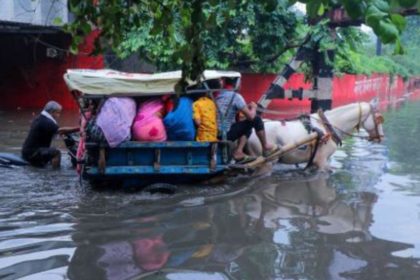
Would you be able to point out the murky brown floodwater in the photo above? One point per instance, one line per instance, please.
(360, 222)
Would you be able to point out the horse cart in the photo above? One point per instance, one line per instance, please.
(137, 163)
(142, 163)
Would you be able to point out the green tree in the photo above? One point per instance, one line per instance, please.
(199, 33)
(404, 65)
(385, 17)
(251, 37)
(411, 41)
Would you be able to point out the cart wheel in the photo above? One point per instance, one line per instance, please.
(161, 188)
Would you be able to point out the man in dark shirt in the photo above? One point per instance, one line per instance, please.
(36, 148)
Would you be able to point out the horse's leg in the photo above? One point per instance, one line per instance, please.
(323, 166)
(254, 147)
(263, 140)
(323, 154)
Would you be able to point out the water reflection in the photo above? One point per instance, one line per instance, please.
(300, 228)
(315, 201)
(178, 239)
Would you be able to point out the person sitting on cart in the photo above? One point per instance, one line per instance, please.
(86, 113)
(205, 118)
(229, 104)
(37, 148)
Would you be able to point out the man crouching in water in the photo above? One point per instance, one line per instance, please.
(36, 148)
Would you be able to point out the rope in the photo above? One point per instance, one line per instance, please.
(319, 136)
(329, 128)
(344, 132)
(274, 112)
(298, 118)
(351, 134)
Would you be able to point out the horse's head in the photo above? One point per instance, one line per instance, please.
(372, 123)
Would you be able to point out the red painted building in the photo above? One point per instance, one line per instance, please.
(33, 53)
(33, 64)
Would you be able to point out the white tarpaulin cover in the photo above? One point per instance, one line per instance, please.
(115, 83)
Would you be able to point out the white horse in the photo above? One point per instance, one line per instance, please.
(339, 122)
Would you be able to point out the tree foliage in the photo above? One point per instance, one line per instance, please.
(385, 17)
(404, 65)
(195, 34)
(250, 37)
(226, 34)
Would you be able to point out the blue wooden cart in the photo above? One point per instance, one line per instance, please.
(142, 163)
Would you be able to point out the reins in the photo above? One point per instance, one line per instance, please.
(325, 120)
(332, 130)
(329, 128)
(357, 127)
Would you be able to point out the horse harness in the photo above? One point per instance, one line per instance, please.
(329, 128)
(320, 134)
(306, 122)
(377, 119)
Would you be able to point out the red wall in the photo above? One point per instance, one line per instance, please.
(351, 88)
(254, 85)
(45, 81)
(346, 89)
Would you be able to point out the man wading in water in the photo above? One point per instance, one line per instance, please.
(36, 148)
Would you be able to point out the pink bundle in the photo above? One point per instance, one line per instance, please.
(148, 124)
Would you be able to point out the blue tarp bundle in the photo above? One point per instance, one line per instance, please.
(179, 123)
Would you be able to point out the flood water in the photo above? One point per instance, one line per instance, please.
(362, 221)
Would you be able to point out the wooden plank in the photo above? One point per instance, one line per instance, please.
(293, 145)
(274, 156)
(249, 165)
(260, 161)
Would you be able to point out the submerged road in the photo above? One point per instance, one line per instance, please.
(362, 221)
